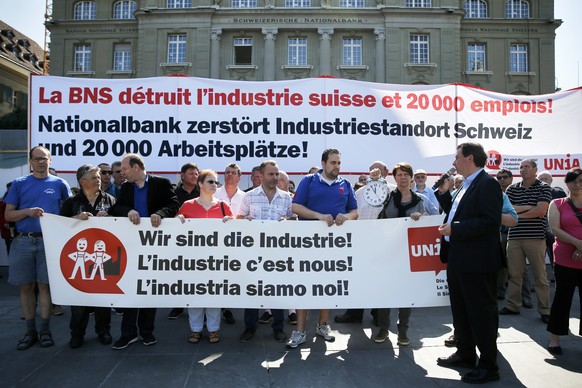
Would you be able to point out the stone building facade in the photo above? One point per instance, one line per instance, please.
(501, 45)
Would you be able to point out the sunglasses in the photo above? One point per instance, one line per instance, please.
(105, 172)
(502, 177)
(212, 182)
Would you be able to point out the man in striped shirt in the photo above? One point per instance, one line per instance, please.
(530, 198)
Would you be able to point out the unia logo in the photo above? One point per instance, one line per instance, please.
(494, 160)
(424, 246)
(93, 261)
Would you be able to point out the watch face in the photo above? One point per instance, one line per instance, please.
(375, 193)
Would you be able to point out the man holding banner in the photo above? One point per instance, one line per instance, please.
(142, 195)
(323, 196)
(472, 251)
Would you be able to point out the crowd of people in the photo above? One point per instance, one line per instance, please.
(491, 227)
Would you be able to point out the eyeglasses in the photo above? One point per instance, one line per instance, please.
(420, 176)
(212, 182)
(105, 172)
(500, 177)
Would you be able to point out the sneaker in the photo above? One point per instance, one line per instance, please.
(228, 317)
(403, 339)
(293, 318)
(29, 339)
(247, 335)
(324, 330)
(76, 341)
(175, 313)
(279, 335)
(105, 338)
(149, 339)
(297, 338)
(57, 310)
(381, 336)
(266, 317)
(124, 342)
(195, 337)
(213, 337)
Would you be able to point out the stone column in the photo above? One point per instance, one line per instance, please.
(325, 50)
(269, 55)
(380, 75)
(215, 52)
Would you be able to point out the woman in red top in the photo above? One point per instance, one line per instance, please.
(566, 224)
(205, 206)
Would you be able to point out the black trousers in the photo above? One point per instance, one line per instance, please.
(80, 320)
(566, 281)
(475, 315)
(133, 319)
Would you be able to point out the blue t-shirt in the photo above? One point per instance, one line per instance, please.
(316, 194)
(47, 193)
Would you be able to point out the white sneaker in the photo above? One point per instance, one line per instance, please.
(297, 338)
(325, 331)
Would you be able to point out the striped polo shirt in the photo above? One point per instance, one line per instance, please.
(529, 228)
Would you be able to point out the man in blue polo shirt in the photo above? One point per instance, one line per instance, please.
(323, 196)
(29, 198)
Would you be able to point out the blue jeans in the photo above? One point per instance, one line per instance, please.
(252, 319)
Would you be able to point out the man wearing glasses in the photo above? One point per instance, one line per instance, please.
(29, 198)
(420, 187)
(106, 184)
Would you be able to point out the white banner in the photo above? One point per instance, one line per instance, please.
(240, 263)
(173, 120)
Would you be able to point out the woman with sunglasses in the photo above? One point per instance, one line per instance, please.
(565, 218)
(205, 206)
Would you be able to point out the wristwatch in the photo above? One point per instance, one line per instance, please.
(376, 191)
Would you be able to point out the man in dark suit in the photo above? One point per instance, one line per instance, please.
(472, 250)
(142, 195)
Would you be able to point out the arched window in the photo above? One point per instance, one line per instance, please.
(516, 9)
(124, 9)
(85, 10)
(475, 9)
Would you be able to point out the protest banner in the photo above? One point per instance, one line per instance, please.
(172, 120)
(207, 263)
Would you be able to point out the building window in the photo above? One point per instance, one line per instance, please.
(179, 3)
(82, 57)
(419, 49)
(352, 52)
(244, 3)
(243, 51)
(351, 3)
(476, 57)
(518, 58)
(475, 9)
(418, 3)
(297, 3)
(85, 10)
(122, 57)
(124, 10)
(516, 9)
(177, 48)
(297, 52)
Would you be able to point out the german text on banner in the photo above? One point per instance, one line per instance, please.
(244, 264)
(173, 120)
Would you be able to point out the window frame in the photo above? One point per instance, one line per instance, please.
(352, 51)
(352, 3)
(83, 57)
(124, 9)
(239, 50)
(177, 48)
(297, 3)
(244, 4)
(476, 9)
(514, 9)
(416, 46)
(297, 47)
(418, 3)
(518, 57)
(80, 13)
(126, 60)
(179, 4)
(474, 51)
